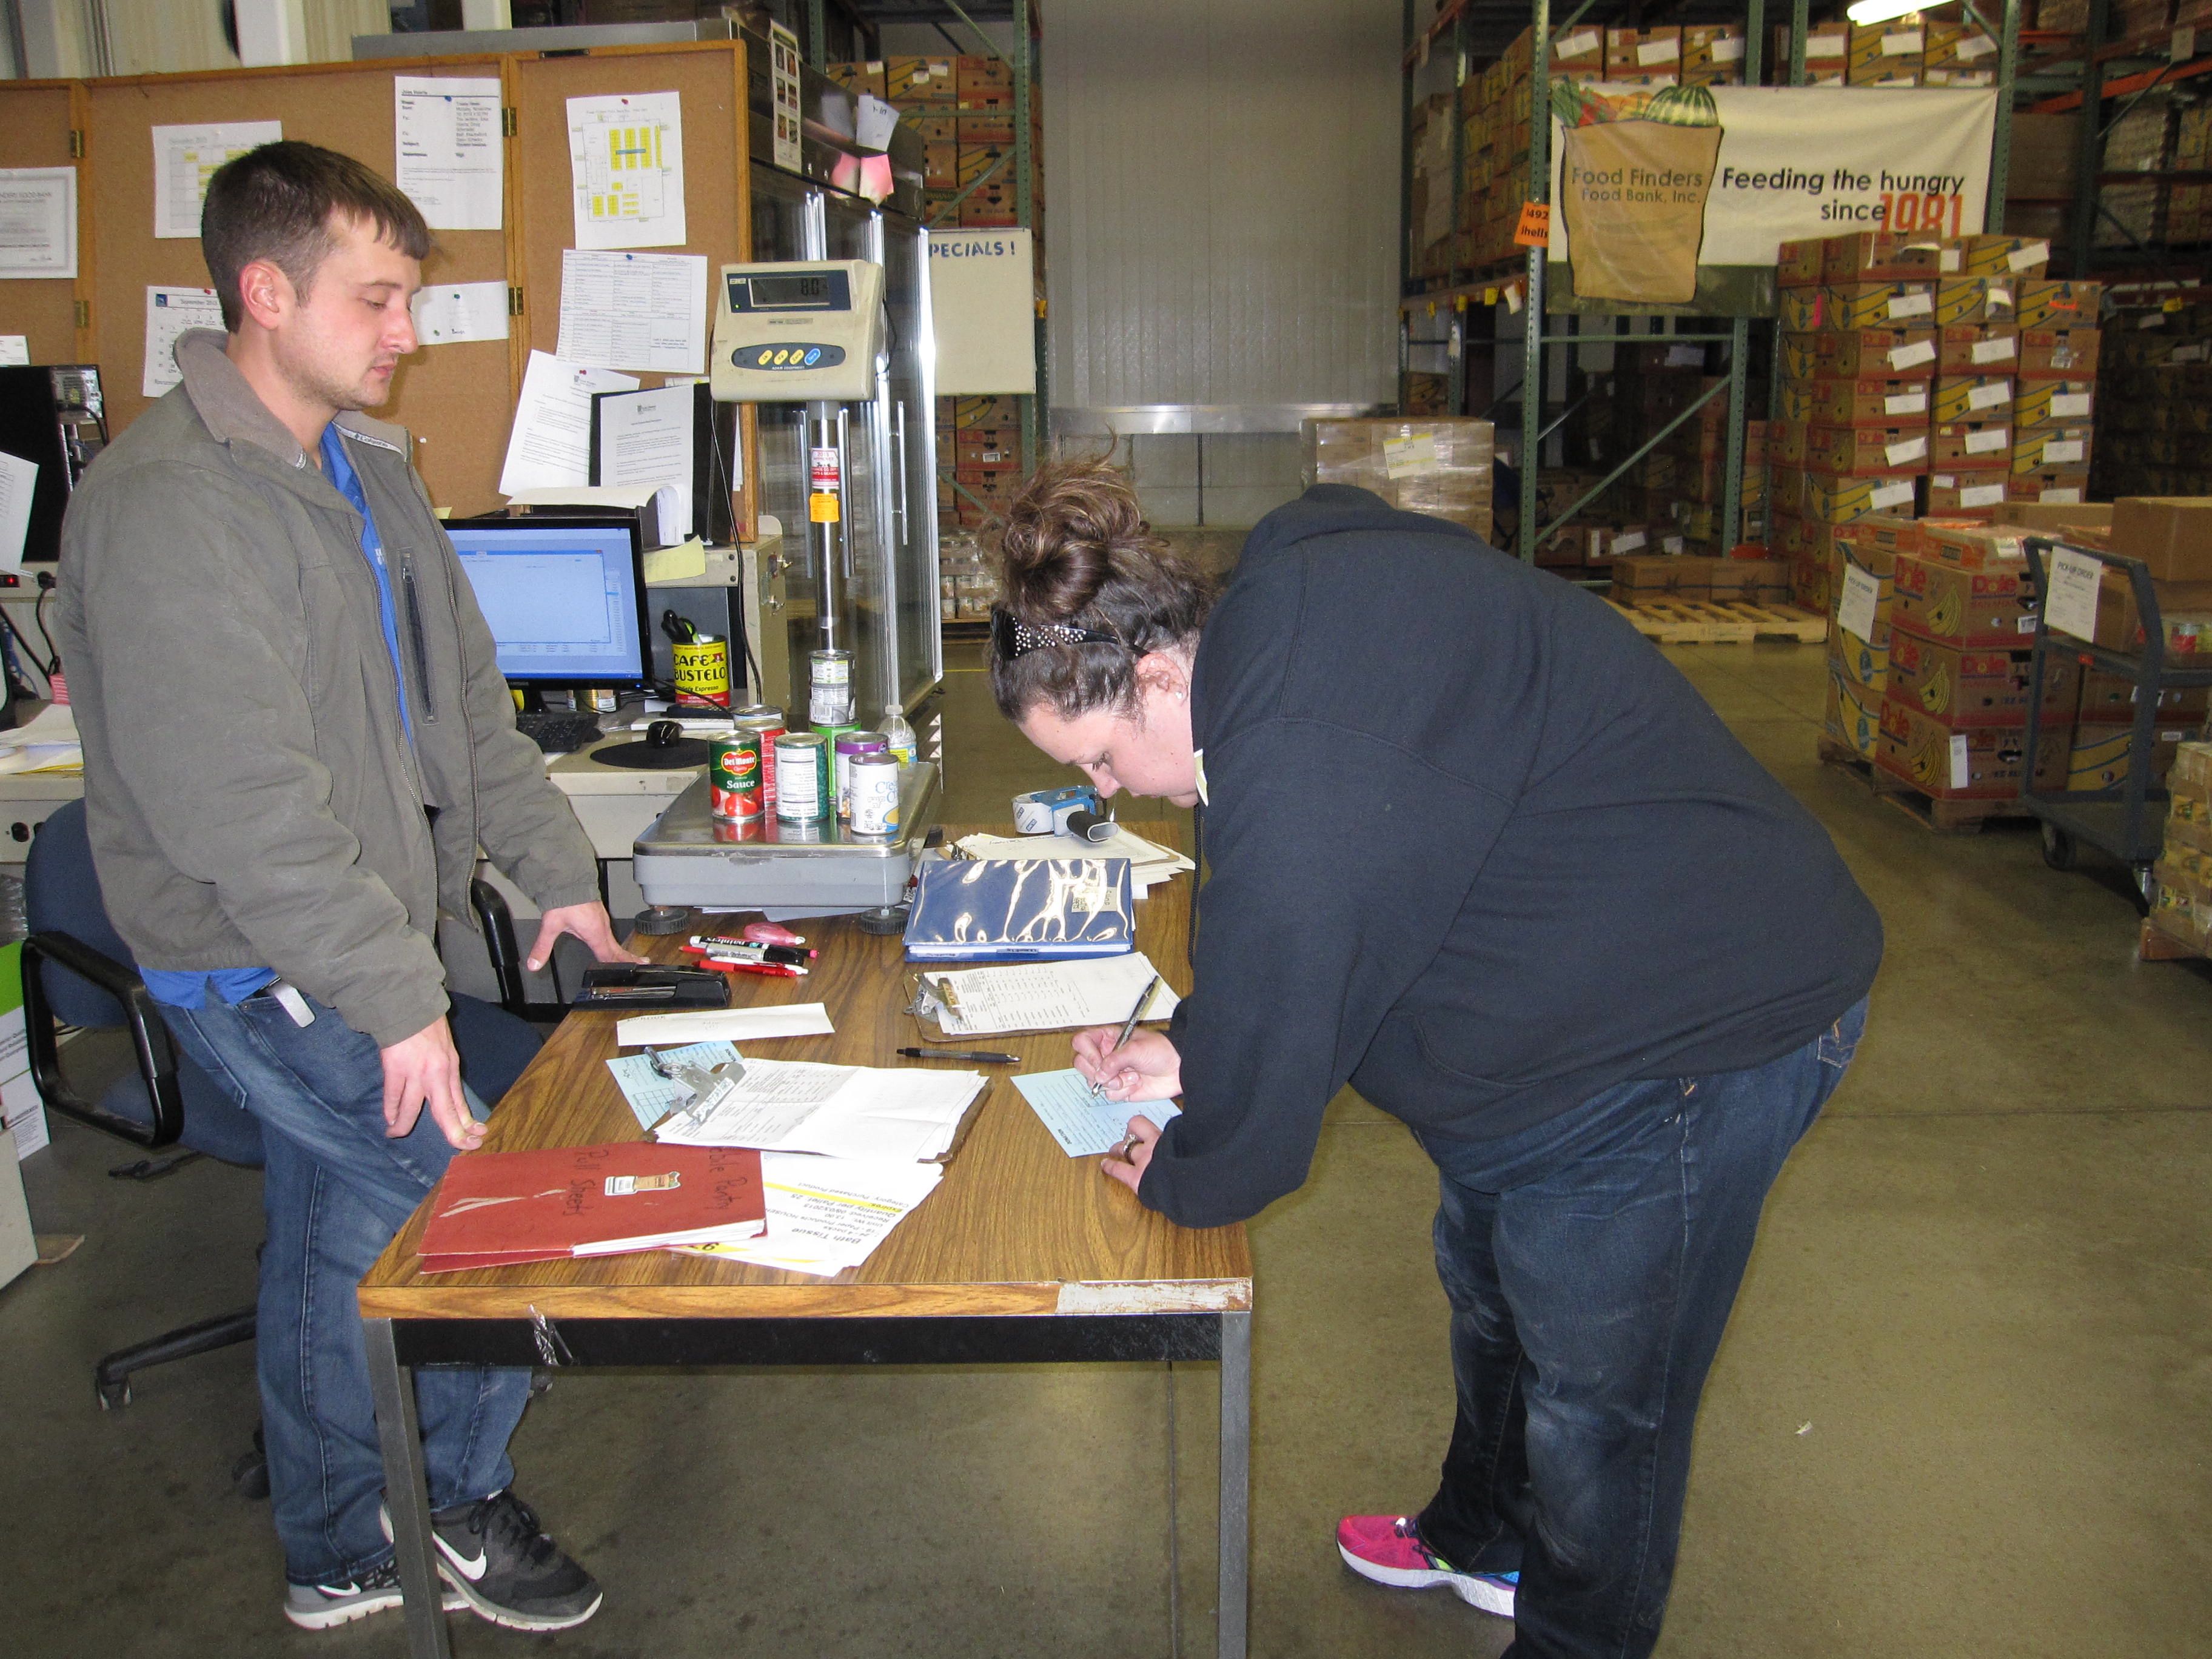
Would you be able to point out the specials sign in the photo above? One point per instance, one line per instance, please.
(1653, 182)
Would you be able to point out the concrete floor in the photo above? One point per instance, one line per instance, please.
(1965, 1406)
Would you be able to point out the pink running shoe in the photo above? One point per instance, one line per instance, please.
(1388, 1548)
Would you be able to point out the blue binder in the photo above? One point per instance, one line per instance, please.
(1017, 910)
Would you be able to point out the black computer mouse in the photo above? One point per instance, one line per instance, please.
(664, 734)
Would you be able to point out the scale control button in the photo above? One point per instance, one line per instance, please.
(813, 355)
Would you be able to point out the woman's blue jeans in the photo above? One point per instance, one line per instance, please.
(336, 1190)
(1591, 1263)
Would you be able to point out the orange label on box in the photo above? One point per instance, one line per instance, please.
(1534, 229)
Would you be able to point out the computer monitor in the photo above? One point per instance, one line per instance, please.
(565, 597)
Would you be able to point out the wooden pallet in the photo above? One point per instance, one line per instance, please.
(1704, 622)
(1950, 818)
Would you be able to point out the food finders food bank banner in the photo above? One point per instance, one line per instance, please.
(1652, 182)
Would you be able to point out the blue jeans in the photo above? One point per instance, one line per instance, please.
(1591, 1263)
(336, 1190)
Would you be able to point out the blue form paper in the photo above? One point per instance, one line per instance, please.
(651, 1096)
(1086, 1124)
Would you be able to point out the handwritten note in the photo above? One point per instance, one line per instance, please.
(1085, 1125)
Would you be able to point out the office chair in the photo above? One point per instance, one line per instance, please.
(76, 969)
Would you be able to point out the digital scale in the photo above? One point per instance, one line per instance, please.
(689, 857)
(798, 332)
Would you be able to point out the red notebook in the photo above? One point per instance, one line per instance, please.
(494, 1209)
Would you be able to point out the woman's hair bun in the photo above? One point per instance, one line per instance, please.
(1059, 543)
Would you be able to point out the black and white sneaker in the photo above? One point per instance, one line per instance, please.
(508, 1569)
(321, 1606)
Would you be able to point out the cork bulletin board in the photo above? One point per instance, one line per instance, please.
(457, 400)
(40, 117)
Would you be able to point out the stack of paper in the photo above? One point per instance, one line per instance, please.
(1046, 996)
(840, 1111)
(1148, 862)
(48, 744)
(727, 1024)
(826, 1214)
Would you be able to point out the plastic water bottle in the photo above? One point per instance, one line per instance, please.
(893, 726)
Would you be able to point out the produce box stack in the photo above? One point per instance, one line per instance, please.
(1873, 342)
(1429, 239)
(986, 455)
(2054, 403)
(966, 581)
(2153, 416)
(1954, 709)
(1974, 406)
(2181, 902)
(1439, 467)
(1494, 105)
(1862, 589)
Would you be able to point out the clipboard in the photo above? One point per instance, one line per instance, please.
(927, 998)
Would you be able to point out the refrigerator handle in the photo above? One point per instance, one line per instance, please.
(898, 437)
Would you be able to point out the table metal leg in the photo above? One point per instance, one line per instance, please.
(406, 1496)
(1236, 1482)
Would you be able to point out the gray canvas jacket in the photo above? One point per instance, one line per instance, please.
(251, 795)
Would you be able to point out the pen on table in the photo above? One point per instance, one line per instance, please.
(766, 969)
(1128, 1025)
(980, 1056)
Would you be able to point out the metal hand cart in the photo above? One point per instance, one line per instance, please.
(2119, 820)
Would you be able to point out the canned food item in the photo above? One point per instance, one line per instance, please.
(702, 672)
(852, 743)
(830, 688)
(802, 774)
(788, 834)
(875, 779)
(769, 724)
(736, 830)
(734, 776)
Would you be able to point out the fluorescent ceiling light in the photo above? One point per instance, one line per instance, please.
(1880, 11)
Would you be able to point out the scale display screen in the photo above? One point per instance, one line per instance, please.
(803, 290)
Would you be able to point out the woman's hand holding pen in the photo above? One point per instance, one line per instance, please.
(1145, 1068)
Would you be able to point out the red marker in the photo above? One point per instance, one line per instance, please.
(772, 932)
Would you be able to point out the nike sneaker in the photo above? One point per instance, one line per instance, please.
(1388, 1548)
(506, 1568)
(322, 1606)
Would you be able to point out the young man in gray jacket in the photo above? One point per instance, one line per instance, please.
(295, 739)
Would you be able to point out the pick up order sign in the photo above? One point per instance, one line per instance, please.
(1798, 162)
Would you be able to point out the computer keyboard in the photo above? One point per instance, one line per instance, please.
(557, 731)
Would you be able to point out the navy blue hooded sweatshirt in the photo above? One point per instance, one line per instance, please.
(1476, 847)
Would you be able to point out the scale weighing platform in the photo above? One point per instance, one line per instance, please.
(689, 857)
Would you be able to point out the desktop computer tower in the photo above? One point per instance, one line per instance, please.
(53, 416)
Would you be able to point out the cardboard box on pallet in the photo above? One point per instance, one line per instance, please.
(1938, 600)
(868, 77)
(2181, 895)
(1880, 256)
(1966, 686)
(984, 495)
(1973, 398)
(1643, 54)
(1642, 578)
(1979, 496)
(990, 449)
(1833, 499)
(1802, 263)
(1973, 545)
(1853, 716)
(2171, 534)
(983, 82)
(2042, 402)
(1749, 581)
(1953, 49)
(2060, 304)
(2052, 486)
(2100, 754)
(985, 127)
(1861, 305)
(1977, 349)
(2022, 258)
(1983, 300)
(1986, 763)
(1827, 51)
(1580, 53)
(933, 127)
(2050, 350)
(1898, 352)
(1440, 467)
(2112, 698)
(1800, 309)
(1001, 410)
(1712, 54)
(1797, 357)
(1889, 54)
(940, 166)
(1867, 451)
(910, 80)
(2039, 447)
(1860, 665)
(1876, 401)
(1970, 447)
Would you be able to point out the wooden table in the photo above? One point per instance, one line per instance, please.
(1022, 1255)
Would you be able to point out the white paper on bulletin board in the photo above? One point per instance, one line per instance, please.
(983, 296)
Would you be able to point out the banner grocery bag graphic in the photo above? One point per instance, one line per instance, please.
(1780, 164)
(1637, 166)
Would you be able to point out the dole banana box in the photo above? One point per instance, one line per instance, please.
(1794, 400)
(1975, 495)
(2034, 448)
(1857, 354)
(1970, 447)
(921, 81)
(1877, 305)
(2052, 486)
(2055, 402)
(1965, 686)
(1879, 256)
(1863, 667)
(1953, 604)
(1976, 546)
(1972, 397)
(2099, 756)
(1863, 451)
(2060, 305)
(1833, 499)
(1785, 440)
(1853, 716)
(1801, 264)
(1786, 490)
(1983, 300)
(2022, 257)
(1985, 762)
(1876, 401)
(1886, 54)
(2188, 817)
(1797, 356)
(2068, 353)
(1810, 582)
(1977, 349)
